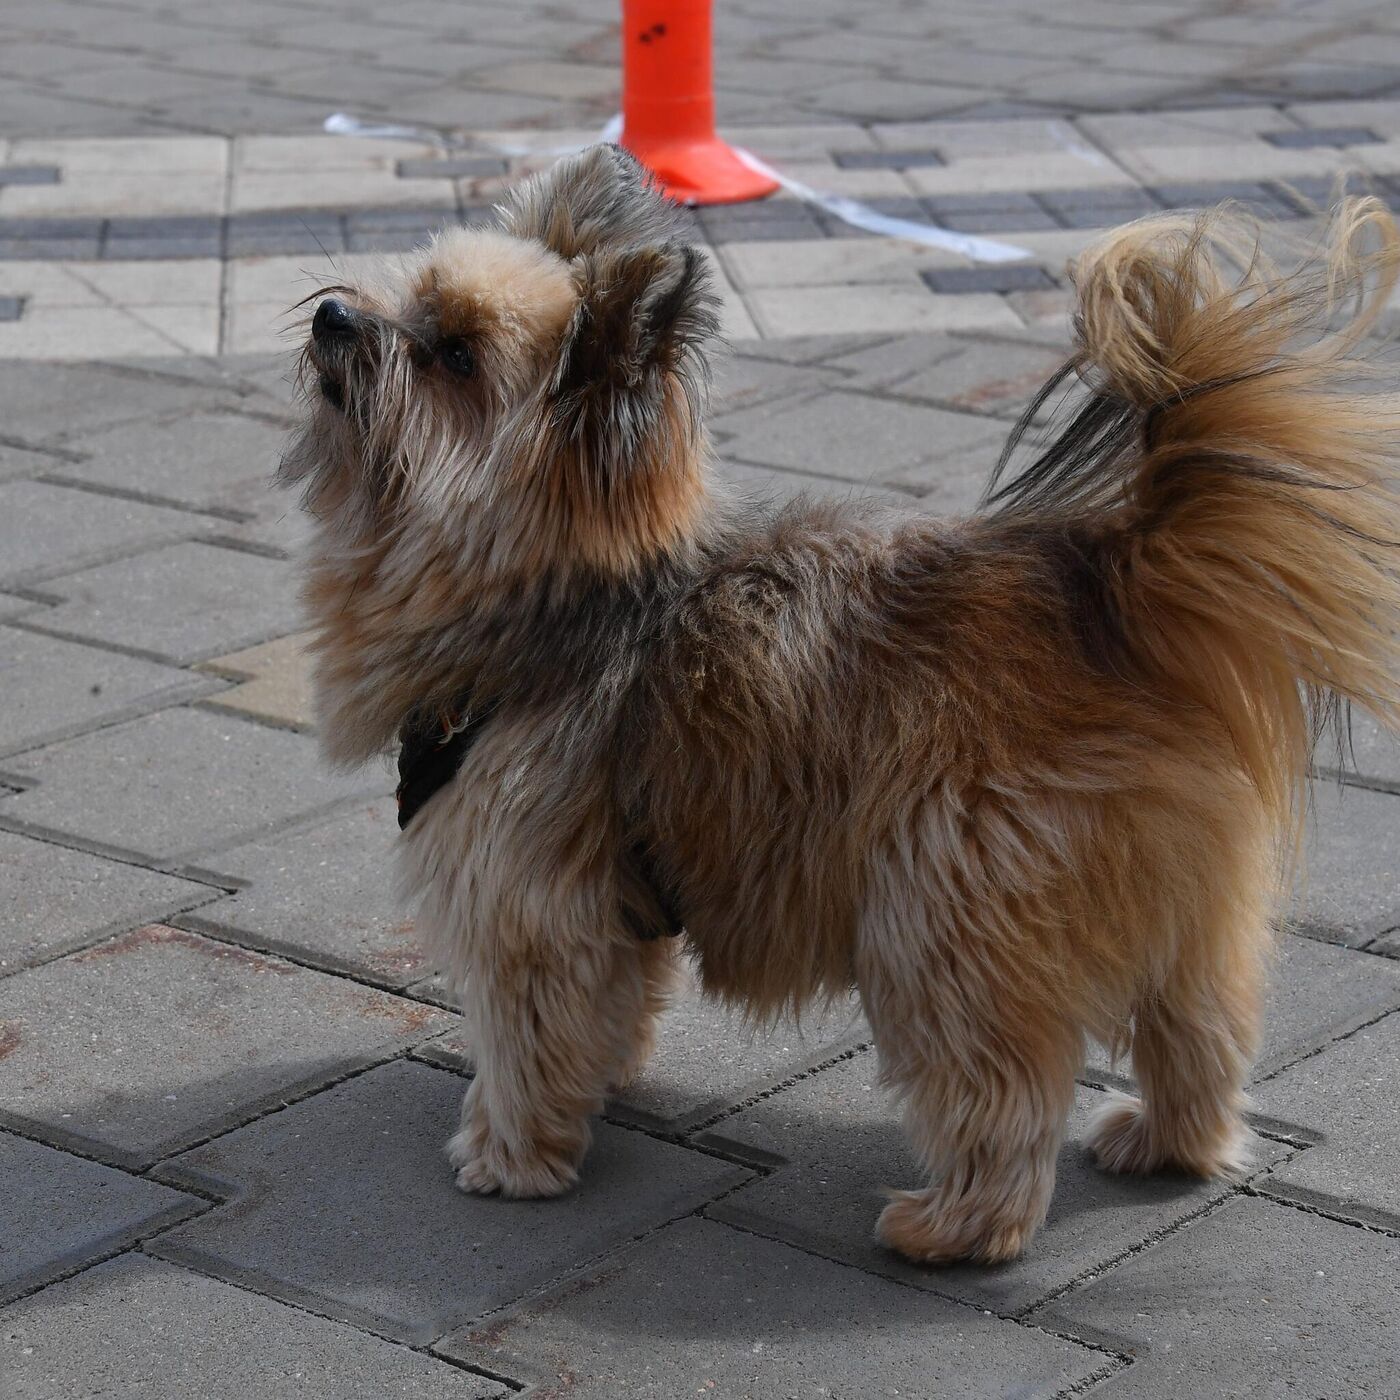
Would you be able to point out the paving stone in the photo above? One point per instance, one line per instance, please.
(54, 687)
(1316, 992)
(177, 782)
(1255, 198)
(274, 682)
(699, 1309)
(62, 1212)
(776, 486)
(706, 1058)
(343, 1204)
(1347, 1096)
(1318, 136)
(29, 174)
(324, 895)
(138, 1047)
(141, 1329)
(11, 308)
(47, 530)
(877, 308)
(185, 602)
(1370, 756)
(1008, 277)
(857, 437)
(1351, 890)
(219, 458)
(886, 160)
(841, 1139)
(1263, 1299)
(54, 899)
(981, 376)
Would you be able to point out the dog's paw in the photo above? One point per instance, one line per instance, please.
(914, 1225)
(1124, 1140)
(484, 1168)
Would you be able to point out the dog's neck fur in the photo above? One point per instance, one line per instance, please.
(401, 625)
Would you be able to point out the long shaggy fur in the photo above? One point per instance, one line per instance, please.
(1018, 778)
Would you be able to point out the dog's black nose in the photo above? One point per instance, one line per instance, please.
(333, 319)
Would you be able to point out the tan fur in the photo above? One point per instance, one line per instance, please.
(1019, 778)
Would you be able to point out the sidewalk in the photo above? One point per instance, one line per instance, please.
(226, 1073)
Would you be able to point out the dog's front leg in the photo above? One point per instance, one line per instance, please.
(553, 1019)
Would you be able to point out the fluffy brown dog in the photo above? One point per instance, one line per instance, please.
(1018, 778)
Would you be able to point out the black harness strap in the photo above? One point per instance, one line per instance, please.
(432, 749)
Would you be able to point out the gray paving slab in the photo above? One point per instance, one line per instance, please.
(1370, 757)
(1317, 991)
(1012, 277)
(856, 437)
(344, 1204)
(1261, 1298)
(137, 1328)
(46, 402)
(62, 1212)
(841, 1140)
(217, 458)
(992, 377)
(1351, 892)
(705, 1058)
(54, 899)
(1348, 1096)
(700, 1309)
(53, 687)
(326, 895)
(184, 602)
(140, 1046)
(47, 530)
(773, 486)
(177, 782)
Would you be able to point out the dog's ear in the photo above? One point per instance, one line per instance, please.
(633, 354)
(600, 198)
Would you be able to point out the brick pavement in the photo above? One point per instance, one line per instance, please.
(225, 1070)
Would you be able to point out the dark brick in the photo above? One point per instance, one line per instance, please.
(48, 249)
(29, 174)
(1322, 136)
(1016, 277)
(377, 220)
(11, 308)
(129, 249)
(886, 160)
(1258, 199)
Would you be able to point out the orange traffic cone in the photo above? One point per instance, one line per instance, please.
(668, 104)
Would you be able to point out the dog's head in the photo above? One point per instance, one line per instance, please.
(532, 391)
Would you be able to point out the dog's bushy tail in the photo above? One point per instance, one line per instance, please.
(1229, 475)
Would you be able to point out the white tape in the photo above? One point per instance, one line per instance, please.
(858, 215)
(343, 124)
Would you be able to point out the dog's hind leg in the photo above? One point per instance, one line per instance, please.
(985, 1071)
(1193, 1042)
(1195, 1031)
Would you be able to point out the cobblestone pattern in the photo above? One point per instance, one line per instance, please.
(144, 66)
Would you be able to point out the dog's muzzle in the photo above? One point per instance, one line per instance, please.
(335, 330)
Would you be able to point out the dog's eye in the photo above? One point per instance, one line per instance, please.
(457, 356)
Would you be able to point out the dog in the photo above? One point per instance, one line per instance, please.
(1019, 778)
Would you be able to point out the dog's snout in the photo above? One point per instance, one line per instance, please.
(333, 319)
